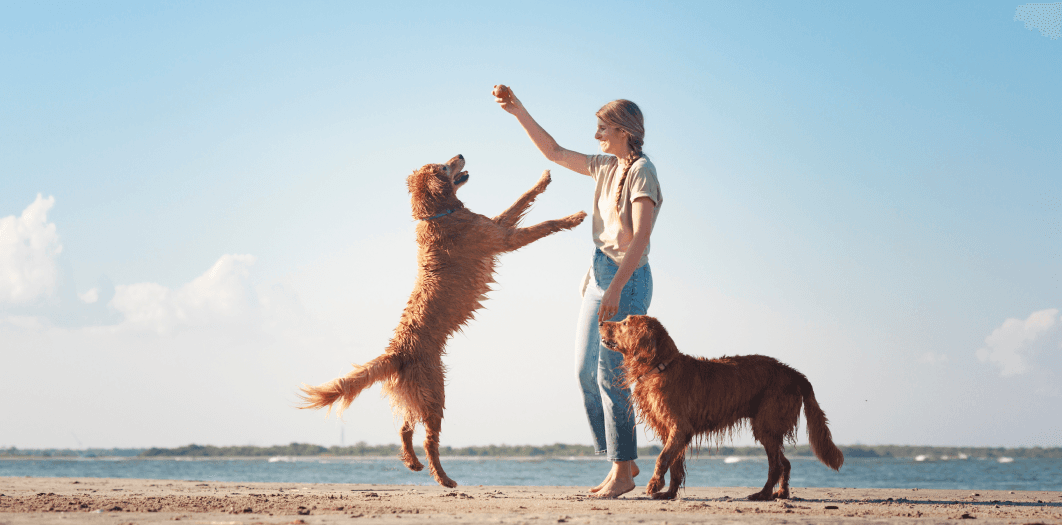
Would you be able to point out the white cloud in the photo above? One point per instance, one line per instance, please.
(29, 249)
(90, 296)
(1011, 345)
(224, 294)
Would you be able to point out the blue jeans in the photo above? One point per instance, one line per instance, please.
(600, 370)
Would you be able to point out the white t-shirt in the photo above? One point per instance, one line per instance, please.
(613, 228)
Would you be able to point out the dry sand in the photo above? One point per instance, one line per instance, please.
(44, 501)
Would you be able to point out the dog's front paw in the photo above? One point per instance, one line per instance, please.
(761, 496)
(654, 486)
(575, 219)
(661, 495)
(543, 181)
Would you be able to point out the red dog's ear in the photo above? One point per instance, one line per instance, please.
(646, 341)
(660, 338)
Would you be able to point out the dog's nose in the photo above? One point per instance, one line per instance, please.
(460, 156)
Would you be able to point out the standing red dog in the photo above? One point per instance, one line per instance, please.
(458, 250)
(682, 397)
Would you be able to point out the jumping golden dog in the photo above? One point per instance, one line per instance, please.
(457, 253)
(682, 397)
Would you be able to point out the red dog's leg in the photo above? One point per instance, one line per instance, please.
(408, 456)
(433, 425)
(510, 217)
(674, 450)
(678, 474)
(521, 237)
(783, 481)
(774, 470)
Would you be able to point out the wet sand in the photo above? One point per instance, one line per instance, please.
(47, 501)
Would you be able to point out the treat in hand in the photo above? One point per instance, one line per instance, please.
(502, 93)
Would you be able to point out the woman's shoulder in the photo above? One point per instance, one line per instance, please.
(644, 165)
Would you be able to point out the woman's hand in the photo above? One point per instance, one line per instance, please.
(609, 303)
(505, 97)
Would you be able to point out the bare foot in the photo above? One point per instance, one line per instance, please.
(615, 489)
(620, 480)
(607, 480)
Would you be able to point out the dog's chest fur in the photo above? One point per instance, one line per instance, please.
(455, 267)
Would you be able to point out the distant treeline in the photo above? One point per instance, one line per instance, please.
(63, 452)
(556, 450)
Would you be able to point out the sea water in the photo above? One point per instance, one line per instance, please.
(967, 474)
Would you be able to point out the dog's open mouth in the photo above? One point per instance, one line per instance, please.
(609, 343)
(461, 178)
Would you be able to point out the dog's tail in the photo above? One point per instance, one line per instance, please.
(819, 434)
(346, 388)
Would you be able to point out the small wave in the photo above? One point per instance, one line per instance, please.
(921, 457)
(732, 459)
(281, 459)
(1005, 459)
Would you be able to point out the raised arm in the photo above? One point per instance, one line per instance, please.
(545, 143)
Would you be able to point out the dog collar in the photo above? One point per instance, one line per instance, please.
(656, 369)
(443, 214)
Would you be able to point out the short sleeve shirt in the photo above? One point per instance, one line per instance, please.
(613, 228)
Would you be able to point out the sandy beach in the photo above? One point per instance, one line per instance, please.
(122, 501)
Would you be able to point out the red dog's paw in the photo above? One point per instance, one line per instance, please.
(654, 486)
(543, 181)
(576, 219)
(413, 463)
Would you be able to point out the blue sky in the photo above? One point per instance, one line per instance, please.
(203, 205)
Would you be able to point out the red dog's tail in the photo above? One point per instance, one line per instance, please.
(346, 388)
(819, 434)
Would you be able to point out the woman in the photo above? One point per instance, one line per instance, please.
(627, 200)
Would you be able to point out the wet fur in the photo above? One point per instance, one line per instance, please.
(694, 397)
(456, 258)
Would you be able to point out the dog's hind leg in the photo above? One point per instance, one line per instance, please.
(783, 480)
(432, 426)
(510, 217)
(409, 457)
(775, 469)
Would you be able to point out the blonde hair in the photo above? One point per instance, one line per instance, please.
(626, 116)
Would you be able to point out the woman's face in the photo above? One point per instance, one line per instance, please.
(613, 141)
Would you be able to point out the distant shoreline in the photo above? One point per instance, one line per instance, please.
(560, 450)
